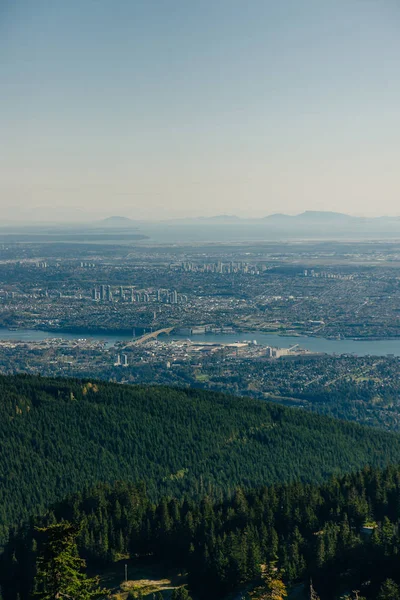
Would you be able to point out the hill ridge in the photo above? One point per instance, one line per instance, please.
(60, 435)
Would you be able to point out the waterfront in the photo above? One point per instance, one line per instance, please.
(313, 344)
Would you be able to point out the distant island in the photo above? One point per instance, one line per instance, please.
(117, 221)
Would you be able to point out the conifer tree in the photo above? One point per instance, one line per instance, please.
(180, 594)
(60, 569)
(389, 591)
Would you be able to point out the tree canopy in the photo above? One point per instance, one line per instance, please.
(59, 436)
(59, 569)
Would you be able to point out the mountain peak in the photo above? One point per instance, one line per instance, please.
(323, 214)
(311, 215)
(116, 221)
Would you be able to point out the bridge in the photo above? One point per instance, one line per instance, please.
(293, 347)
(150, 336)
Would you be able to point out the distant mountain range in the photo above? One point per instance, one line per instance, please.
(331, 222)
(309, 224)
(312, 216)
(307, 219)
(308, 216)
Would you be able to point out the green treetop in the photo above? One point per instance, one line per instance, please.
(180, 594)
(60, 570)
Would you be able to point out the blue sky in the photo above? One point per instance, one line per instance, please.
(179, 108)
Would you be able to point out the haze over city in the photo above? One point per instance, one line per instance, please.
(155, 110)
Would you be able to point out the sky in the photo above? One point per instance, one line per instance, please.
(156, 109)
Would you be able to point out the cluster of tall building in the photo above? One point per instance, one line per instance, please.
(170, 297)
(106, 294)
(122, 360)
(7, 295)
(325, 274)
(221, 267)
(103, 293)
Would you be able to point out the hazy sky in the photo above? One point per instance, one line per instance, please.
(159, 108)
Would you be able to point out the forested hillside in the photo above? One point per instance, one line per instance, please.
(307, 531)
(59, 436)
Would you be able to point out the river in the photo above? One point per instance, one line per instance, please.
(314, 344)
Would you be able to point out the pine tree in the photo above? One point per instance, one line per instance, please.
(320, 550)
(389, 591)
(60, 569)
(274, 545)
(180, 594)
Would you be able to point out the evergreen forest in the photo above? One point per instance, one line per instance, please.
(342, 535)
(225, 488)
(59, 436)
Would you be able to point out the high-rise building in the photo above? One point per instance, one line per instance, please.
(102, 292)
(109, 294)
